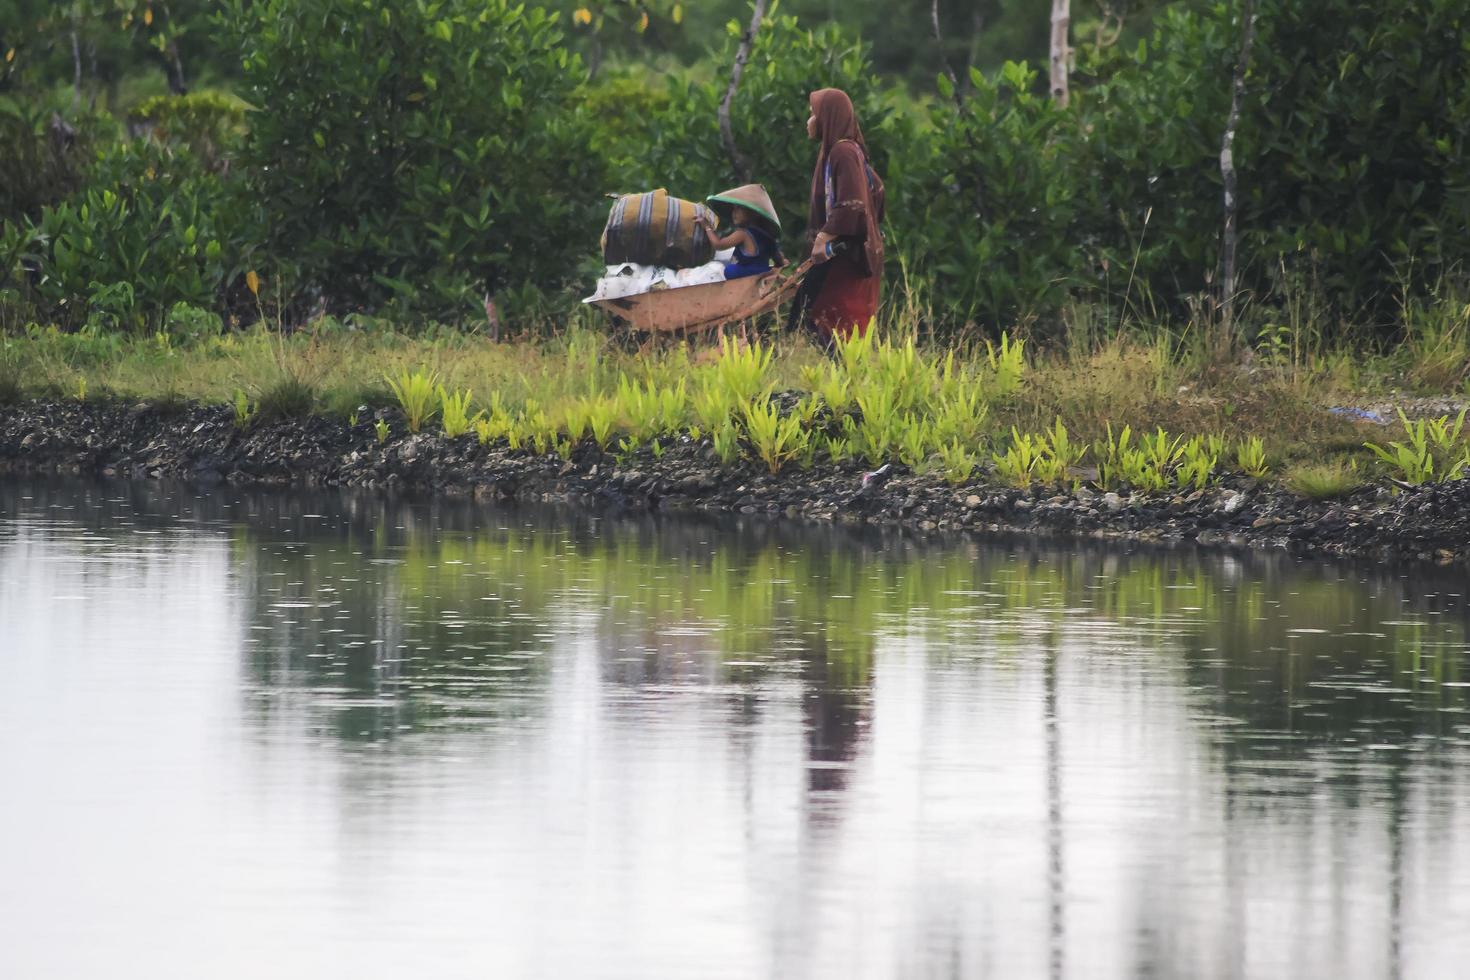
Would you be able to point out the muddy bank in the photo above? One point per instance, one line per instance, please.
(201, 444)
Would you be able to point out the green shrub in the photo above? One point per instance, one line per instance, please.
(1250, 457)
(209, 125)
(349, 398)
(1432, 450)
(416, 392)
(983, 220)
(39, 166)
(151, 230)
(12, 388)
(417, 151)
(775, 439)
(455, 411)
(1324, 481)
(1351, 153)
(290, 397)
(244, 410)
(1356, 148)
(190, 323)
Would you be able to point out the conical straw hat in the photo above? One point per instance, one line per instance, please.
(752, 197)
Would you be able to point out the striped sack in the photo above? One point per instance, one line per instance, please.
(656, 229)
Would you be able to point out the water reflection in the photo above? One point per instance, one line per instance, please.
(421, 735)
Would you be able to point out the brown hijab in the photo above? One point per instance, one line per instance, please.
(836, 121)
(858, 194)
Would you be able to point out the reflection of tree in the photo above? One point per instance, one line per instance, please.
(1055, 852)
(1397, 805)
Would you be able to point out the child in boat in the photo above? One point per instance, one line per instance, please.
(755, 232)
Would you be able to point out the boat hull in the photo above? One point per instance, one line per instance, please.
(701, 307)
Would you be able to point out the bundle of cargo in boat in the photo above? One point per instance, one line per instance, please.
(655, 229)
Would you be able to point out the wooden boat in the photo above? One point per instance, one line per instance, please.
(705, 307)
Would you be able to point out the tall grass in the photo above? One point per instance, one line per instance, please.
(879, 398)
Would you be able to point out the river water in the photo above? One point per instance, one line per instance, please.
(311, 735)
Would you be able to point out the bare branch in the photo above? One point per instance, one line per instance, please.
(738, 160)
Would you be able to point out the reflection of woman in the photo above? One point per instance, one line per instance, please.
(840, 296)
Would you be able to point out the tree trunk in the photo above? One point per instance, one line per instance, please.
(173, 64)
(76, 64)
(174, 69)
(1061, 52)
(738, 161)
(1230, 232)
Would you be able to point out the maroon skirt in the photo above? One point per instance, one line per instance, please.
(847, 301)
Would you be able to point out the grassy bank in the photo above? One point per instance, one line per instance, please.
(1154, 413)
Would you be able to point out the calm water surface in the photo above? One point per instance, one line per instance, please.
(246, 735)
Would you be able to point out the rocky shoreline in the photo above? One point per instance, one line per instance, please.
(202, 445)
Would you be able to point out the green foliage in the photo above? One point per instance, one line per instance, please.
(1198, 460)
(1017, 465)
(1157, 461)
(910, 404)
(418, 155)
(725, 440)
(1432, 450)
(1324, 481)
(1008, 361)
(1047, 458)
(496, 422)
(913, 439)
(649, 409)
(380, 429)
(957, 462)
(1357, 149)
(1143, 466)
(208, 125)
(417, 151)
(150, 230)
(455, 412)
(1062, 449)
(415, 392)
(1250, 457)
(600, 419)
(37, 168)
(1351, 163)
(12, 388)
(191, 323)
(290, 397)
(244, 411)
(118, 39)
(742, 368)
(776, 439)
(990, 189)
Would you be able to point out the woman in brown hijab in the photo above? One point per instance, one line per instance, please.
(846, 208)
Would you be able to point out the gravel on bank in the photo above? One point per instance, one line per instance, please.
(201, 444)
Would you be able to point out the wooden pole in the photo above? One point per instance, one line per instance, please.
(1061, 51)
(738, 161)
(1231, 233)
